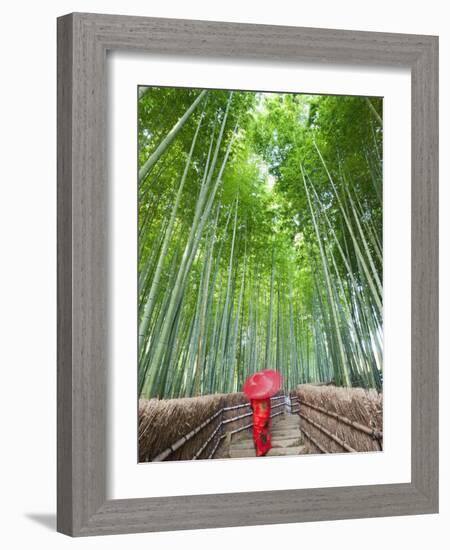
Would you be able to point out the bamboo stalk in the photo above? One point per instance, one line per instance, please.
(377, 290)
(168, 234)
(176, 296)
(374, 111)
(342, 357)
(153, 158)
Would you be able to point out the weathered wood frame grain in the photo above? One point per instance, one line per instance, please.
(83, 41)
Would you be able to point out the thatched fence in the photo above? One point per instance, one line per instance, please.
(333, 420)
(337, 420)
(193, 427)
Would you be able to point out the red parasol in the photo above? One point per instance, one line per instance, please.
(263, 384)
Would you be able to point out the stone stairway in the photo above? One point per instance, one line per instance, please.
(286, 439)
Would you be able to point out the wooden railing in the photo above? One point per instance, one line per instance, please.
(218, 434)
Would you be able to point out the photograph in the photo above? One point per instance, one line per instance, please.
(260, 273)
(229, 235)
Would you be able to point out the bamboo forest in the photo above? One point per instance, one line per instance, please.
(260, 240)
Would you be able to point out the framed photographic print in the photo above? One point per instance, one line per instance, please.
(247, 274)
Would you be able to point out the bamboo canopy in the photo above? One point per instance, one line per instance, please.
(260, 240)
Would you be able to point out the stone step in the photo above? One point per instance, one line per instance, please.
(286, 425)
(283, 429)
(248, 443)
(290, 422)
(277, 435)
(290, 435)
(275, 451)
(285, 433)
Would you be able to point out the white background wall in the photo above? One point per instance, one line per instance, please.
(28, 270)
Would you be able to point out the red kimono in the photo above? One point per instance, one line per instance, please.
(261, 425)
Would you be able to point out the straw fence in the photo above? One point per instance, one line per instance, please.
(337, 420)
(193, 428)
(333, 420)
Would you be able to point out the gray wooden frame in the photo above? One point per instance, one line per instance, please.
(83, 40)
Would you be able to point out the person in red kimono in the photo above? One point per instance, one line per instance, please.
(261, 425)
(260, 387)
